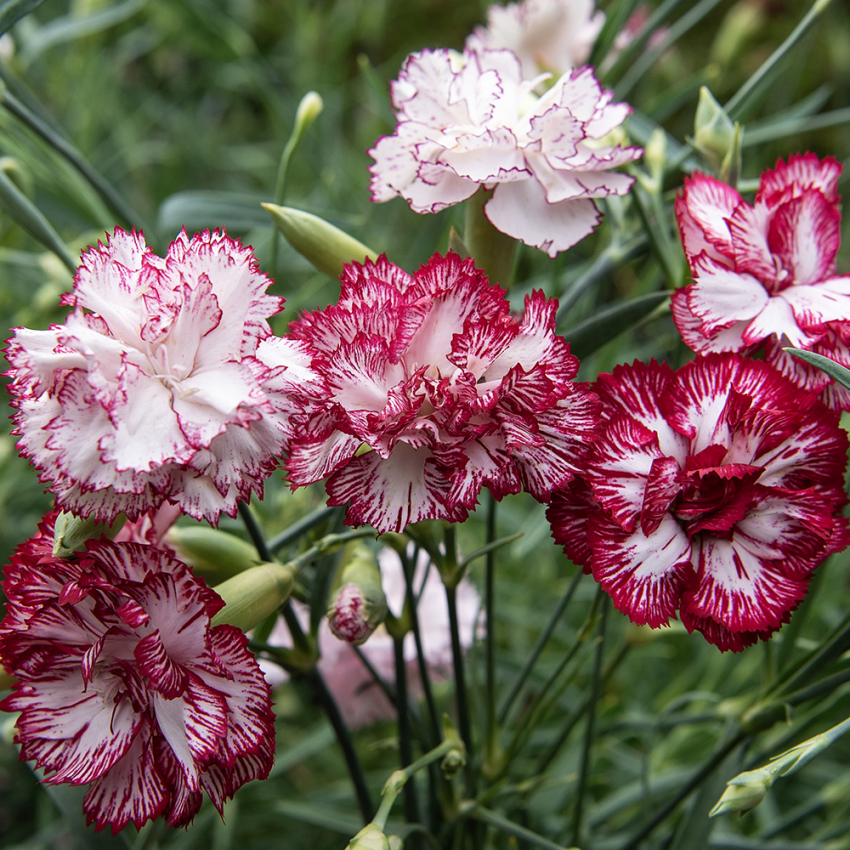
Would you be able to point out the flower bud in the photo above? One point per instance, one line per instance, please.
(308, 111)
(743, 793)
(716, 137)
(211, 552)
(254, 594)
(358, 605)
(71, 533)
(371, 837)
(327, 247)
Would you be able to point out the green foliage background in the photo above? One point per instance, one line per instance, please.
(184, 107)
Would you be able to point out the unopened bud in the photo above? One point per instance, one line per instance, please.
(743, 793)
(210, 551)
(371, 837)
(327, 247)
(358, 605)
(71, 532)
(254, 594)
(716, 136)
(308, 111)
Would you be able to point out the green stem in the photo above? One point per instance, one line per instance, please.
(411, 807)
(254, 532)
(505, 825)
(590, 733)
(301, 527)
(460, 687)
(116, 203)
(735, 106)
(408, 566)
(636, 841)
(399, 778)
(528, 666)
(492, 250)
(343, 736)
(492, 749)
(612, 256)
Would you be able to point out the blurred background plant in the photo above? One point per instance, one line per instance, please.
(161, 114)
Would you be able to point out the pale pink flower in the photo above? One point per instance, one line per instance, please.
(165, 383)
(471, 120)
(765, 275)
(361, 700)
(435, 392)
(546, 35)
(715, 490)
(125, 686)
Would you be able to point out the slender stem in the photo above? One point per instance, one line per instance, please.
(460, 687)
(408, 566)
(505, 825)
(355, 769)
(316, 680)
(577, 714)
(301, 527)
(528, 666)
(613, 255)
(72, 155)
(590, 733)
(685, 791)
(492, 748)
(254, 532)
(405, 744)
(739, 100)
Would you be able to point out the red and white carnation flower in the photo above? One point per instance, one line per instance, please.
(546, 35)
(715, 490)
(471, 120)
(765, 275)
(434, 391)
(124, 685)
(165, 383)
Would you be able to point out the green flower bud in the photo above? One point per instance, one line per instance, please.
(371, 837)
(254, 594)
(211, 552)
(358, 605)
(71, 532)
(743, 793)
(327, 247)
(308, 111)
(716, 137)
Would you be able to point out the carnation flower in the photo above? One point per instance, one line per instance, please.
(471, 120)
(436, 391)
(765, 275)
(353, 686)
(165, 383)
(546, 35)
(715, 490)
(125, 686)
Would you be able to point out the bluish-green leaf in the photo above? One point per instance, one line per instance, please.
(13, 10)
(833, 369)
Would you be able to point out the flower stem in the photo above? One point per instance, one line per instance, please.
(352, 761)
(590, 732)
(528, 666)
(405, 744)
(254, 532)
(735, 106)
(460, 687)
(492, 250)
(492, 745)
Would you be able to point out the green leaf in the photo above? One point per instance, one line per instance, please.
(22, 210)
(830, 367)
(591, 334)
(70, 28)
(200, 210)
(13, 10)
